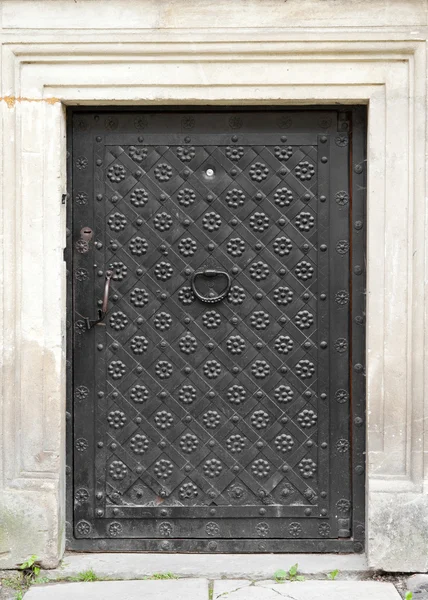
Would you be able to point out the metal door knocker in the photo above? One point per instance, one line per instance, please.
(204, 284)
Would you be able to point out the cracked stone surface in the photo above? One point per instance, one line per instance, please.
(189, 589)
(305, 590)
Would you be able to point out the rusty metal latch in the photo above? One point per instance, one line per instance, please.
(103, 310)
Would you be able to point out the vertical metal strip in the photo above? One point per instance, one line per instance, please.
(358, 363)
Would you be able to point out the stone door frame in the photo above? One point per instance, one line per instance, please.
(40, 80)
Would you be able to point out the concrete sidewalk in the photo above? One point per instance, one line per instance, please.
(202, 589)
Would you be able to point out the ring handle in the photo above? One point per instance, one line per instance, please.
(209, 273)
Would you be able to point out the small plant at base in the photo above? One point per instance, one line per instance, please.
(84, 576)
(291, 575)
(408, 596)
(333, 574)
(19, 596)
(30, 568)
(167, 575)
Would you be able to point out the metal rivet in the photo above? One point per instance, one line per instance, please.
(140, 320)
(139, 272)
(100, 512)
(285, 468)
(187, 370)
(323, 296)
(100, 273)
(235, 270)
(233, 172)
(324, 159)
(186, 222)
(187, 271)
(187, 320)
(281, 222)
(211, 443)
(284, 420)
(323, 344)
(308, 393)
(258, 296)
(358, 225)
(138, 173)
(258, 246)
(260, 444)
(323, 198)
(358, 368)
(324, 512)
(234, 222)
(283, 138)
(283, 320)
(186, 172)
(113, 446)
(323, 396)
(358, 169)
(100, 444)
(323, 139)
(234, 138)
(323, 247)
(282, 271)
(100, 394)
(164, 513)
(210, 198)
(262, 511)
(308, 512)
(307, 344)
(358, 421)
(235, 469)
(139, 369)
(324, 445)
(99, 197)
(259, 394)
(309, 443)
(236, 369)
(234, 320)
(359, 469)
(99, 162)
(187, 139)
(323, 494)
(213, 511)
(235, 418)
(259, 196)
(140, 138)
(100, 347)
(358, 270)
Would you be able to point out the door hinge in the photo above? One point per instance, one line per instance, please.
(64, 198)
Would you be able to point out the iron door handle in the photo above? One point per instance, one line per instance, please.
(104, 308)
(208, 273)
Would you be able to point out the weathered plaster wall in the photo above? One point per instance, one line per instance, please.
(59, 52)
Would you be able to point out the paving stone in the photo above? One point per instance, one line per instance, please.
(184, 589)
(306, 590)
(257, 566)
(418, 584)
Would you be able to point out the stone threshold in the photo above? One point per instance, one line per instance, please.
(124, 566)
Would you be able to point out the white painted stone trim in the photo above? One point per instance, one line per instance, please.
(39, 79)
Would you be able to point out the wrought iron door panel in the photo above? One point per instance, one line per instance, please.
(212, 403)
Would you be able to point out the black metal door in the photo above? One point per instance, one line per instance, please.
(218, 406)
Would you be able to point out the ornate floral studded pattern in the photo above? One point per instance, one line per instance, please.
(81, 496)
(262, 530)
(342, 198)
(283, 197)
(117, 221)
(211, 221)
(235, 443)
(163, 172)
(187, 394)
(116, 419)
(236, 247)
(234, 152)
(304, 270)
(138, 153)
(259, 271)
(341, 297)
(115, 529)
(81, 198)
(259, 221)
(186, 153)
(119, 271)
(187, 491)
(304, 221)
(187, 246)
(118, 470)
(341, 396)
(188, 443)
(324, 529)
(236, 295)
(211, 419)
(342, 446)
(138, 246)
(260, 468)
(283, 344)
(164, 419)
(304, 170)
(260, 419)
(304, 319)
(163, 271)
(83, 528)
(116, 173)
(139, 297)
(118, 320)
(212, 468)
(139, 197)
(235, 198)
(188, 344)
(307, 468)
(284, 442)
(212, 529)
(236, 394)
(305, 369)
(163, 369)
(81, 163)
(282, 246)
(212, 369)
(186, 197)
(283, 295)
(295, 530)
(139, 393)
(163, 221)
(81, 445)
(307, 418)
(260, 369)
(283, 152)
(343, 505)
(116, 369)
(235, 344)
(163, 468)
(260, 320)
(342, 247)
(139, 344)
(211, 319)
(81, 393)
(283, 393)
(162, 321)
(139, 443)
(259, 171)
(186, 295)
(341, 345)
